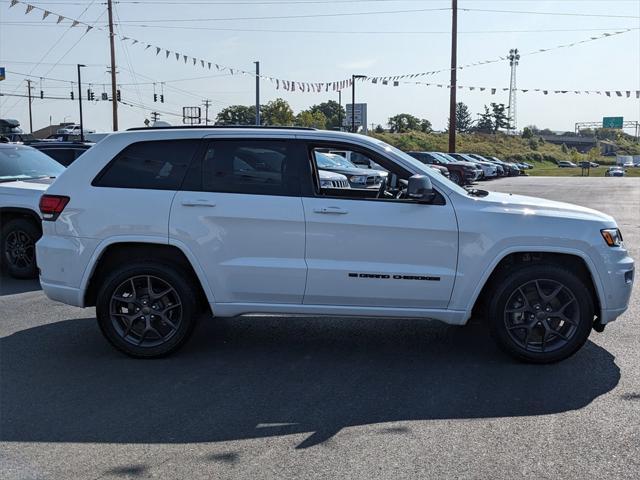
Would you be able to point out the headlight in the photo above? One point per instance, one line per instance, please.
(326, 184)
(612, 236)
(358, 179)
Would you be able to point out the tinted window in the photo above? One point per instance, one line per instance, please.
(61, 155)
(250, 166)
(20, 163)
(158, 165)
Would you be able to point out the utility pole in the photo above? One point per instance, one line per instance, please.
(514, 58)
(30, 116)
(207, 104)
(114, 100)
(454, 70)
(257, 93)
(340, 110)
(80, 103)
(353, 101)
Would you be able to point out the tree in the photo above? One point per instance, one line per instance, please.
(308, 118)
(277, 112)
(500, 119)
(379, 129)
(236, 115)
(485, 122)
(463, 118)
(564, 148)
(332, 111)
(425, 126)
(527, 132)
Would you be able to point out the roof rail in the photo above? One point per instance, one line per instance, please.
(179, 127)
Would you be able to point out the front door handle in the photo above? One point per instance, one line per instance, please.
(198, 202)
(334, 210)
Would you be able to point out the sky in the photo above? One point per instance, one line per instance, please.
(336, 39)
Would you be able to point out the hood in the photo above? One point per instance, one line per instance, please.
(354, 171)
(508, 202)
(327, 175)
(462, 164)
(37, 184)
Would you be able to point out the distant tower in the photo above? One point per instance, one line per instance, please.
(513, 57)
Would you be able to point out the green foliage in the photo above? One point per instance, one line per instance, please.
(533, 143)
(379, 129)
(485, 122)
(564, 148)
(308, 118)
(463, 118)
(236, 115)
(404, 122)
(527, 132)
(500, 119)
(277, 113)
(332, 111)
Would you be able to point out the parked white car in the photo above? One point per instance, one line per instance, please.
(154, 226)
(25, 173)
(73, 130)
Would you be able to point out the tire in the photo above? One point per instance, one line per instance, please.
(518, 314)
(18, 248)
(455, 177)
(143, 325)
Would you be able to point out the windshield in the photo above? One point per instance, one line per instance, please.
(421, 167)
(22, 163)
(442, 157)
(330, 160)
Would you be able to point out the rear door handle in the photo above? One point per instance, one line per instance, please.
(334, 210)
(198, 202)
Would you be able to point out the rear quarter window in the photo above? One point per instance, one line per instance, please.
(153, 165)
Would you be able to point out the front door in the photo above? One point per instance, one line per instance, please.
(382, 252)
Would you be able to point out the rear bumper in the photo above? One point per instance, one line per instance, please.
(63, 294)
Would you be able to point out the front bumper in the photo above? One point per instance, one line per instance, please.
(618, 282)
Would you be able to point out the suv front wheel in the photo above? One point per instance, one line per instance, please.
(541, 313)
(147, 309)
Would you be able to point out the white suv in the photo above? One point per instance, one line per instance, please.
(153, 226)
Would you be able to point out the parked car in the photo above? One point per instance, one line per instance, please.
(460, 173)
(566, 164)
(74, 130)
(500, 169)
(489, 169)
(358, 177)
(614, 172)
(332, 180)
(64, 137)
(511, 169)
(24, 174)
(155, 226)
(65, 153)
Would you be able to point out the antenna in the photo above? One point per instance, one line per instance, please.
(514, 58)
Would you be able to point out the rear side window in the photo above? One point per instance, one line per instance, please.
(261, 167)
(61, 155)
(155, 165)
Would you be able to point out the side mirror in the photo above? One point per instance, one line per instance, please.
(420, 189)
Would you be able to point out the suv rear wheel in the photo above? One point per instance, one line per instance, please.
(18, 245)
(455, 177)
(541, 313)
(147, 309)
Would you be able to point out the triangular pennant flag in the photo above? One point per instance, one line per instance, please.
(384, 82)
(194, 61)
(293, 86)
(637, 93)
(134, 41)
(577, 92)
(177, 56)
(202, 63)
(13, 3)
(124, 39)
(29, 8)
(45, 14)
(482, 89)
(493, 91)
(618, 93)
(185, 58)
(525, 91)
(374, 80)
(608, 94)
(74, 23)
(89, 27)
(60, 18)
(545, 92)
(628, 92)
(277, 84)
(148, 47)
(209, 63)
(396, 83)
(472, 88)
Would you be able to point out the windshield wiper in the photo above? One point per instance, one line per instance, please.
(475, 192)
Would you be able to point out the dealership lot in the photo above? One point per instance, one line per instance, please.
(260, 397)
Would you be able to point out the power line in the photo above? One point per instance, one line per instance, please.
(564, 14)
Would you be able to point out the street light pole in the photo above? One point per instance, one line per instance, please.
(80, 103)
(257, 93)
(340, 110)
(30, 116)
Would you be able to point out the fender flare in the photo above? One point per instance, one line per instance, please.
(156, 240)
(595, 277)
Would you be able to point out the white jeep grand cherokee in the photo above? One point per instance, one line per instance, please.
(152, 226)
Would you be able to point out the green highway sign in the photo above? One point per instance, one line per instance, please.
(2, 73)
(612, 122)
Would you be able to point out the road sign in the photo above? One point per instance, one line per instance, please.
(191, 115)
(2, 77)
(612, 122)
(360, 115)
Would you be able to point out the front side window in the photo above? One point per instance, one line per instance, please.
(261, 167)
(154, 165)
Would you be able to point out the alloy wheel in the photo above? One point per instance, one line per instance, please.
(19, 249)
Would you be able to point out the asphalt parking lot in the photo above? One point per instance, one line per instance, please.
(273, 397)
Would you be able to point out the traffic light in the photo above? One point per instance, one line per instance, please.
(155, 97)
(118, 95)
(41, 94)
(161, 98)
(88, 94)
(71, 92)
(92, 96)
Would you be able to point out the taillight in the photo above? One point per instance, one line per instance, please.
(51, 206)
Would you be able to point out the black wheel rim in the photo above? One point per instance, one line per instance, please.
(542, 315)
(145, 311)
(19, 249)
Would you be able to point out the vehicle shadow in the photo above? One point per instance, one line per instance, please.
(13, 286)
(262, 376)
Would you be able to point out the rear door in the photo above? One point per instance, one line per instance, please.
(240, 213)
